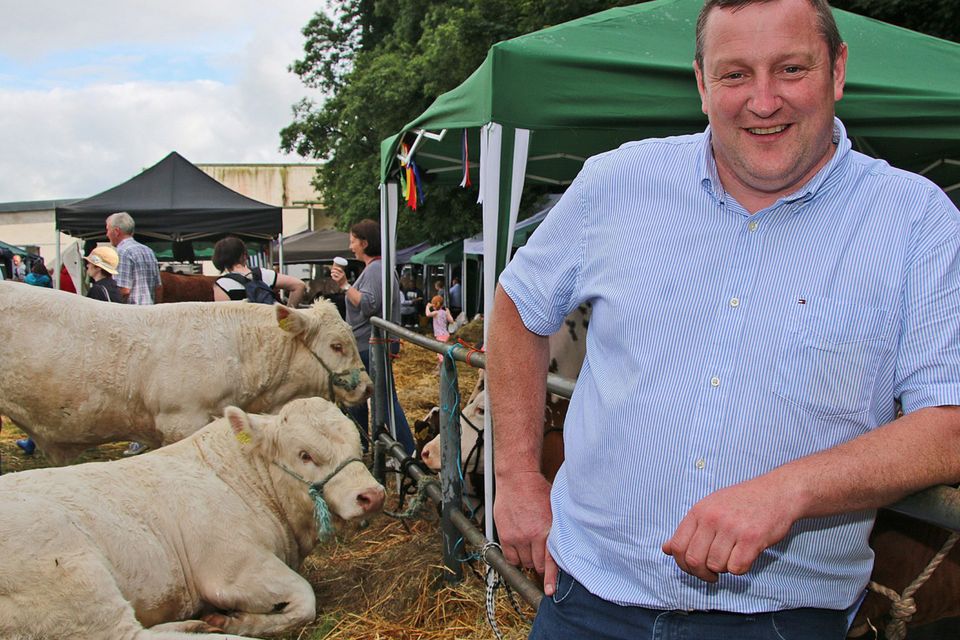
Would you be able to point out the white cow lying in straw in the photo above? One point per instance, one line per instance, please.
(209, 526)
(90, 373)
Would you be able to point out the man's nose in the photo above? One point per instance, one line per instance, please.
(765, 97)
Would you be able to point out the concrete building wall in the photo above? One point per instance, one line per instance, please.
(33, 228)
(288, 186)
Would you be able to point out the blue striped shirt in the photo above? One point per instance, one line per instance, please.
(724, 344)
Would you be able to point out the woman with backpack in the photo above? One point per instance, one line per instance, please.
(240, 282)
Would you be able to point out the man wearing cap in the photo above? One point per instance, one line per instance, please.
(138, 277)
(102, 265)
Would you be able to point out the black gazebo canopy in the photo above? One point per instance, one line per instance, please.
(173, 200)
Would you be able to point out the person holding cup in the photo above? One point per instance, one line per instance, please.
(363, 301)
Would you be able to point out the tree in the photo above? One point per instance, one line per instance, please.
(940, 18)
(381, 63)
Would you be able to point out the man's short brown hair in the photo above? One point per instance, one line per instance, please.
(828, 26)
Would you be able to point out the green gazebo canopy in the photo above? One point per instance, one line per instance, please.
(588, 85)
(446, 253)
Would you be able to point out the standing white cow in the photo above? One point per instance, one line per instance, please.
(90, 373)
(206, 528)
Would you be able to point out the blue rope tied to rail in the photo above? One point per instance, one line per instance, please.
(321, 512)
(457, 398)
(454, 387)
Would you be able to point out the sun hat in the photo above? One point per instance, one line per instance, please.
(104, 257)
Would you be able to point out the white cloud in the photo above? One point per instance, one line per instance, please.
(86, 127)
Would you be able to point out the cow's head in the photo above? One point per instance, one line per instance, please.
(329, 347)
(311, 448)
(471, 442)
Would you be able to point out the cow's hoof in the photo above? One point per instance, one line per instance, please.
(217, 621)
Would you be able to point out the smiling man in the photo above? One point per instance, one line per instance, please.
(764, 298)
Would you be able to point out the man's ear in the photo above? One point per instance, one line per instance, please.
(701, 89)
(290, 319)
(840, 72)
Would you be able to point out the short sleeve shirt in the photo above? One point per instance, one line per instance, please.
(723, 344)
(138, 271)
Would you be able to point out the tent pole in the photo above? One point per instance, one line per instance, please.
(56, 272)
(389, 194)
(280, 250)
(463, 286)
(506, 152)
(490, 154)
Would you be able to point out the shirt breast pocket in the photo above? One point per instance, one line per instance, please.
(830, 357)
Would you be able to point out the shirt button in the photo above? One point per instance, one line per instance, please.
(752, 226)
(701, 463)
(734, 302)
(714, 381)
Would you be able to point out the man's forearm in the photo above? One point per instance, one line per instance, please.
(727, 530)
(880, 467)
(517, 369)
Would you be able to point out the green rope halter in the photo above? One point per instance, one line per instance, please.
(321, 512)
(349, 379)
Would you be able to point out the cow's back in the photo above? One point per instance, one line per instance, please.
(155, 526)
(148, 517)
(89, 372)
(179, 287)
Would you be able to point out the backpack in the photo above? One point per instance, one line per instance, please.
(257, 290)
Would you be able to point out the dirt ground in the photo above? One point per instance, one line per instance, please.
(383, 581)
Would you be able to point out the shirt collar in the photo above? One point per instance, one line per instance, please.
(710, 180)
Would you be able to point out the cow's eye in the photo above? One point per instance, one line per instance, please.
(336, 346)
(305, 457)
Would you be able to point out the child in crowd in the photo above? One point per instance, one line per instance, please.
(441, 319)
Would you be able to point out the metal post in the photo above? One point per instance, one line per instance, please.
(280, 251)
(56, 275)
(450, 480)
(491, 554)
(379, 402)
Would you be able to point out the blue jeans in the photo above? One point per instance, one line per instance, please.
(574, 613)
(360, 413)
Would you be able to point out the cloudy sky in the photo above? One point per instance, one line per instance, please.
(93, 92)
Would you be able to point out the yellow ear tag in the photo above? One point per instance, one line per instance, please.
(284, 323)
(243, 437)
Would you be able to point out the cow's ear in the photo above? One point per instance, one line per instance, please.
(290, 319)
(243, 425)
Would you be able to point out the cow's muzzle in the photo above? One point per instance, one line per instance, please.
(321, 512)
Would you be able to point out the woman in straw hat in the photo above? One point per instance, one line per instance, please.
(102, 265)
